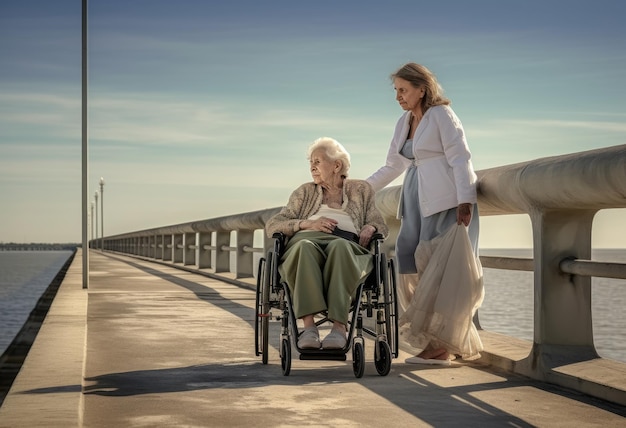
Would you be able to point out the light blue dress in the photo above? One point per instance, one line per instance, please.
(414, 227)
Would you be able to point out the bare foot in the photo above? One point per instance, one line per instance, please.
(434, 354)
(443, 356)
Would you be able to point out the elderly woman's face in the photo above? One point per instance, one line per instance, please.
(408, 96)
(323, 170)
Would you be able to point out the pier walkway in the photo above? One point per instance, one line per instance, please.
(149, 345)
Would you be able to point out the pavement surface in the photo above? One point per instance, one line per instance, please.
(149, 345)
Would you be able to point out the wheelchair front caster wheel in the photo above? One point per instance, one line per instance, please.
(358, 359)
(382, 359)
(285, 356)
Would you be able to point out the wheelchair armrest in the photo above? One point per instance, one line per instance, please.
(281, 238)
(279, 235)
(378, 237)
(376, 242)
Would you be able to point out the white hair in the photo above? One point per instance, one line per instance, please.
(334, 150)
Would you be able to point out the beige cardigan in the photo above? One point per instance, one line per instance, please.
(359, 204)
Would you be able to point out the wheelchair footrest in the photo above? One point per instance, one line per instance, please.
(334, 355)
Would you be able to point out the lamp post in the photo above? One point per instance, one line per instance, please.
(85, 150)
(101, 214)
(92, 224)
(95, 242)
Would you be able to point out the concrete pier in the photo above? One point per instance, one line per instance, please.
(149, 345)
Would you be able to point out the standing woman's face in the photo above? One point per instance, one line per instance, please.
(408, 96)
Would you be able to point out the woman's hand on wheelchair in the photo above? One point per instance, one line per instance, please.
(365, 236)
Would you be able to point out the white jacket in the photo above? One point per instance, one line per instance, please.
(445, 171)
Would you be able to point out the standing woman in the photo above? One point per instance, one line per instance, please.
(439, 188)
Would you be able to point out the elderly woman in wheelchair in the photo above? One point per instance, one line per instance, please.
(329, 224)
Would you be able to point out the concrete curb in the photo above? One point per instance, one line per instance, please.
(62, 336)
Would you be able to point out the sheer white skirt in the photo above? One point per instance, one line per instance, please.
(440, 301)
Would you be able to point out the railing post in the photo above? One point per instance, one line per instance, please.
(563, 329)
(152, 247)
(177, 247)
(167, 247)
(189, 256)
(159, 247)
(222, 258)
(244, 268)
(204, 256)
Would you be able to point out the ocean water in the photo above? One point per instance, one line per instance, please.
(24, 276)
(507, 308)
(508, 304)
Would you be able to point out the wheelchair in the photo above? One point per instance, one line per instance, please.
(373, 312)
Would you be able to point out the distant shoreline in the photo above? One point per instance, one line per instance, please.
(38, 247)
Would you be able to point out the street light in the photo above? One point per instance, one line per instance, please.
(95, 242)
(101, 214)
(92, 225)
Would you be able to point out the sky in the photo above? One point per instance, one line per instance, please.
(200, 109)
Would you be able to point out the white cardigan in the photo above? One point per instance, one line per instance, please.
(445, 171)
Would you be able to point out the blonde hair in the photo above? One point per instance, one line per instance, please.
(333, 150)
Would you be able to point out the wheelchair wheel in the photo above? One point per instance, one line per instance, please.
(392, 339)
(391, 303)
(382, 359)
(358, 359)
(257, 308)
(285, 356)
(263, 308)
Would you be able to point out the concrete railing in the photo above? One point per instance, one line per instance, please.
(560, 194)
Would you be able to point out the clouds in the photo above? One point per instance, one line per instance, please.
(195, 102)
(28, 117)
